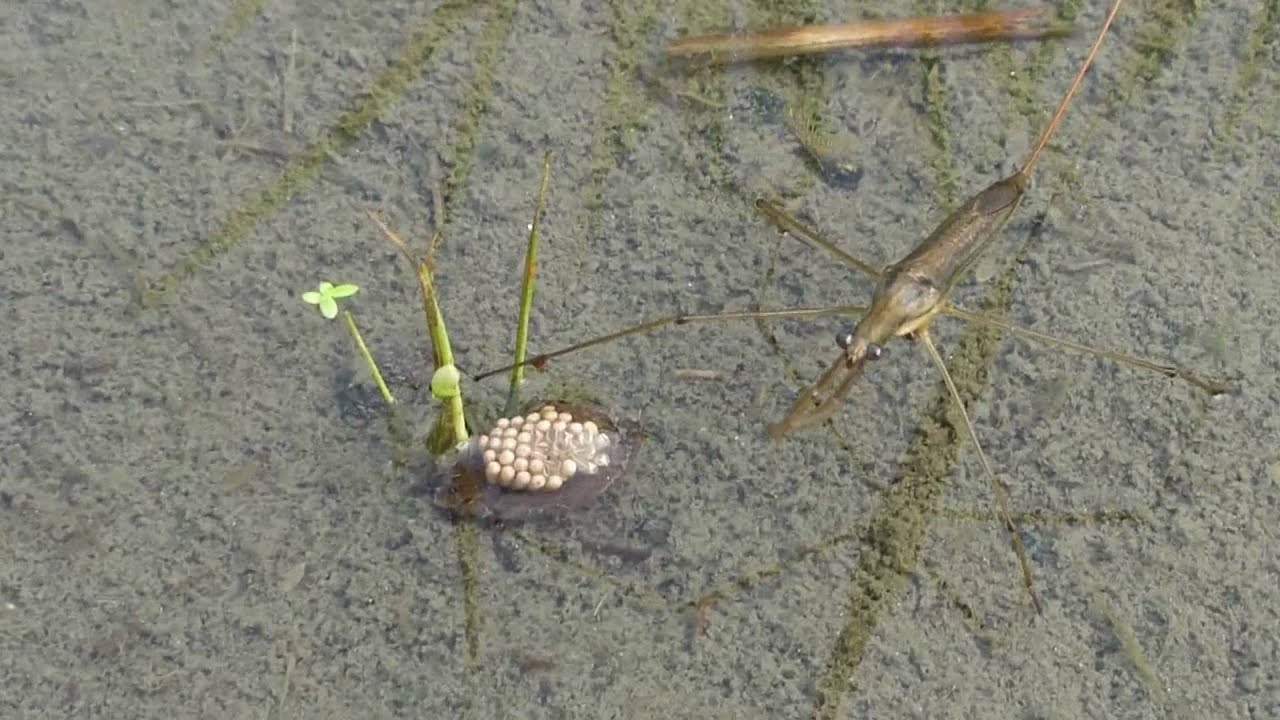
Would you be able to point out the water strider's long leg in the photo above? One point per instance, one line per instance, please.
(1213, 386)
(997, 487)
(790, 313)
(788, 224)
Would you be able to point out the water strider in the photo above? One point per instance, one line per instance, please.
(908, 295)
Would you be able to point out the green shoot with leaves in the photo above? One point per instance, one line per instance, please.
(325, 297)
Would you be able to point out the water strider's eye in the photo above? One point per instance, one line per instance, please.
(875, 352)
(844, 340)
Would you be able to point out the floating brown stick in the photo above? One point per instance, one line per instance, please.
(994, 25)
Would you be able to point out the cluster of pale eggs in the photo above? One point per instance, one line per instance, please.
(541, 451)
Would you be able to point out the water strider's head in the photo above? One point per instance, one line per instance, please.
(904, 303)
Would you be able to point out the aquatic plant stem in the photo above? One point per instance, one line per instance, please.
(451, 426)
(526, 289)
(369, 362)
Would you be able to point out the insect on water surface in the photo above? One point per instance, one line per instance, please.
(908, 295)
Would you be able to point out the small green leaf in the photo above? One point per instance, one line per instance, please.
(325, 297)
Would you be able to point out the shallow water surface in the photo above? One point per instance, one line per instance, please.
(202, 516)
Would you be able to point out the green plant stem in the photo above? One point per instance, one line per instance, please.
(368, 359)
(526, 289)
(451, 429)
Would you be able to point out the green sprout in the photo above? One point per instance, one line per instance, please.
(326, 296)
